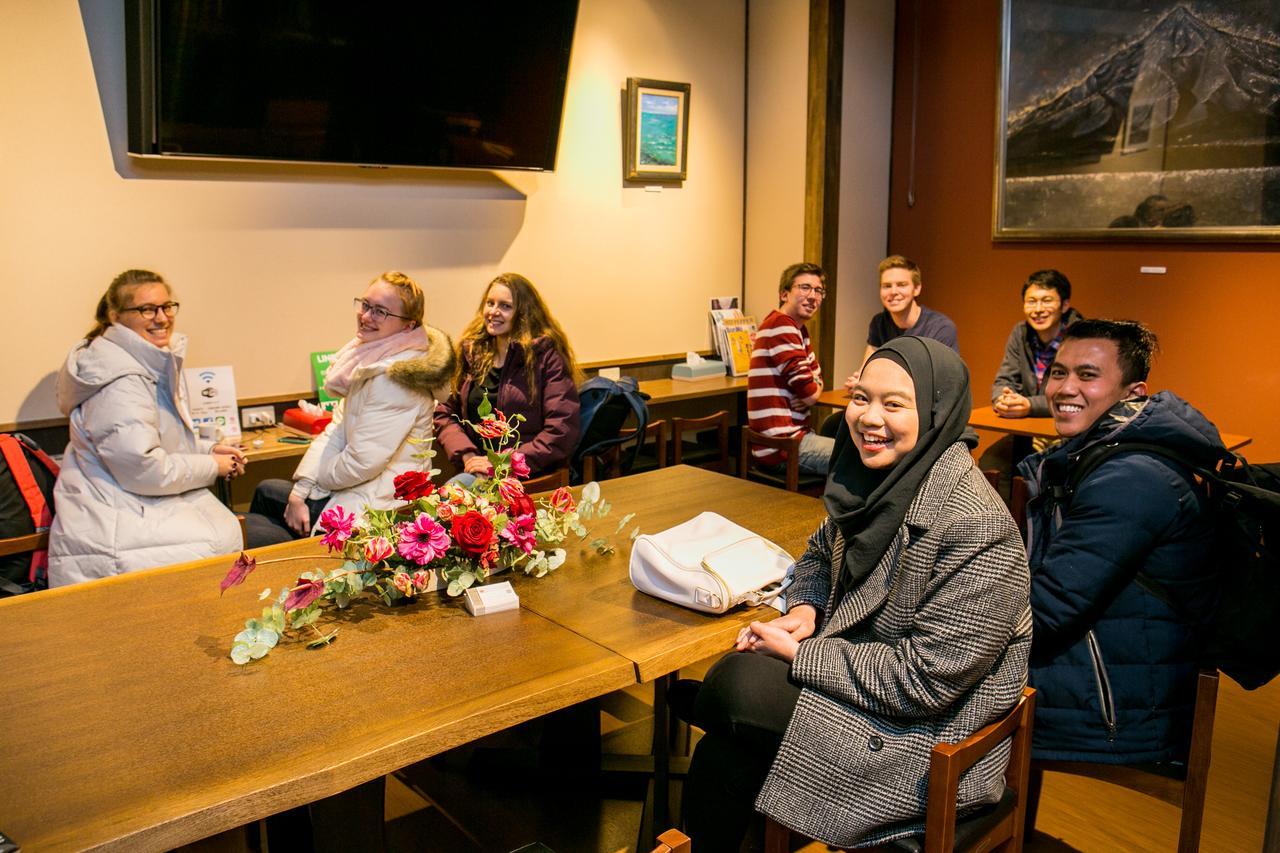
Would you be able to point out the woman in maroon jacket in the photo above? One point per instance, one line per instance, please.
(515, 352)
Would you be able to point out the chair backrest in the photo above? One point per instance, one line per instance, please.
(719, 421)
(789, 445)
(548, 482)
(947, 762)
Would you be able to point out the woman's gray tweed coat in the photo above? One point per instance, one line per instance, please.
(929, 648)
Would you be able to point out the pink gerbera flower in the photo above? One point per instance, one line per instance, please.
(520, 533)
(422, 540)
(337, 525)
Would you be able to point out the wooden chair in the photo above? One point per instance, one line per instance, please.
(547, 482)
(1184, 791)
(716, 458)
(1000, 828)
(23, 544)
(790, 479)
(673, 841)
(609, 463)
(1019, 494)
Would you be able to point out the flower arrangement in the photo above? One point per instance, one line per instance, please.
(450, 537)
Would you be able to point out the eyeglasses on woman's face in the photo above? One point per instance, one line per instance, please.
(149, 311)
(377, 312)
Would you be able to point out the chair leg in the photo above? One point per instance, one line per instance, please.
(1193, 790)
(777, 838)
(1034, 780)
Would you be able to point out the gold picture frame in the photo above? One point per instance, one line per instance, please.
(657, 130)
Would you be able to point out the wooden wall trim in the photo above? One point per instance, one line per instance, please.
(822, 163)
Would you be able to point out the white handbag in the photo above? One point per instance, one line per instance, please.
(710, 564)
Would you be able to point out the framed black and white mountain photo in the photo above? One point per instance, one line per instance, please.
(1123, 120)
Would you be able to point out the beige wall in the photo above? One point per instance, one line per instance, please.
(777, 57)
(867, 118)
(265, 258)
(778, 78)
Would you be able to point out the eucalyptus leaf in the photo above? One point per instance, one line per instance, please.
(258, 650)
(591, 492)
(603, 509)
(635, 531)
(325, 640)
(240, 653)
(555, 559)
(265, 594)
(266, 635)
(455, 588)
(625, 519)
(342, 600)
(248, 635)
(598, 543)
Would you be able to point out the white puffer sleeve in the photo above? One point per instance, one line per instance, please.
(375, 431)
(122, 420)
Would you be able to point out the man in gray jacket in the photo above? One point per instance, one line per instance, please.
(1018, 391)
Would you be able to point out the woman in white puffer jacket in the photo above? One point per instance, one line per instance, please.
(133, 492)
(388, 378)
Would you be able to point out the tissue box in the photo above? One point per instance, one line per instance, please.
(697, 371)
(304, 422)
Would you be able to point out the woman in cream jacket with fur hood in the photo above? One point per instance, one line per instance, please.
(388, 378)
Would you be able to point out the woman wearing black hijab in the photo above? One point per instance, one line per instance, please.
(908, 625)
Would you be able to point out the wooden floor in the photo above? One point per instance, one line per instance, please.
(447, 810)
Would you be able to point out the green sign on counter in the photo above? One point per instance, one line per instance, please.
(320, 362)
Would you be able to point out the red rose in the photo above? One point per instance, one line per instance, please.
(519, 505)
(472, 532)
(562, 500)
(412, 485)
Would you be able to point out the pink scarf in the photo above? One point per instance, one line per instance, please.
(355, 355)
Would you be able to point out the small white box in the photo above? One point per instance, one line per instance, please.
(491, 598)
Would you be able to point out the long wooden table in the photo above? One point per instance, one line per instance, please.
(131, 728)
(985, 417)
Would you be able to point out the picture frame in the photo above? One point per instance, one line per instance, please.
(657, 130)
(1119, 121)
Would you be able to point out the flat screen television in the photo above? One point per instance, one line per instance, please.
(447, 85)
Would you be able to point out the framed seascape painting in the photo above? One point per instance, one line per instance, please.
(657, 130)
(1124, 120)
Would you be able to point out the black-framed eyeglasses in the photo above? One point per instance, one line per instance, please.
(816, 289)
(379, 313)
(149, 311)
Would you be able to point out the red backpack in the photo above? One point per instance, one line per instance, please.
(26, 507)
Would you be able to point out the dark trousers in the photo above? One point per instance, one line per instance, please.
(744, 706)
(264, 525)
(349, 822)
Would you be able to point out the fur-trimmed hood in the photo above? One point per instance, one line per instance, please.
(431, 373)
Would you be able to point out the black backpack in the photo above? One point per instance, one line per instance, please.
(26, 507)
(1245, 502)
(605, 405)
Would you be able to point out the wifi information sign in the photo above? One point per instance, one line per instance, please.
(211, 396)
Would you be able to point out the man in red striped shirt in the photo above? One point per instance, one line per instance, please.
(784, 379)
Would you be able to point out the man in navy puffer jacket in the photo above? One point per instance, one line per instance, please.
(1115, 665)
